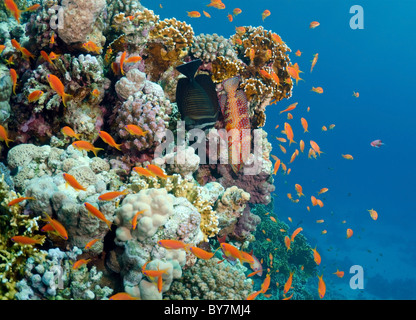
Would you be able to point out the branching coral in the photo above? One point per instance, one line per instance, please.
(209, 47)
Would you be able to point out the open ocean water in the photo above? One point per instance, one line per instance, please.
(378, 62)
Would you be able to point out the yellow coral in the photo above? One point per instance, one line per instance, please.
(224, 68)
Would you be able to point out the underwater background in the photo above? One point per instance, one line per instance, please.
(376, 61)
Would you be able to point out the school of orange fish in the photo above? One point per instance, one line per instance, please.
(229, 250)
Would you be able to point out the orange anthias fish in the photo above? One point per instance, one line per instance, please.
(265, 14)
(85, 145)
(314, 201)
(265, 74)
(234, 107)
(134, 220)
(172, 244)
(301, 145)
(206, 14)
(291, 107)
(94, 211)
(253, 295)
(356, 94)
(122, 58)
(266, 283)
(230, 17)
(231, 251)
(33, 7)
(67, 131)
(313, 24)
(34, 95)
(15, 201)
(288, 283)
(316, 256)
(294, 72)
(133, 59)
(193, 14)
(201, 254)
(289, 132)
(315, 147)
(317, 90)
(13, 75)
(157, 171)
(27, 240)
(73, 182)
(92, 47)
(324, 128)
(299, 190)
(216, 4)
(304, 124)
(348, 156)
(4, 136)
(298, 53)
(57, 226)
(123, 296)
(275, 78)
(314, 61)
(295, 233)
(321, 287)
(373, 214)
(339, 274)
(293, 157)
(143, 172)
(108, 196)
(349, 233)
(2, 47)
(237, 11)
(135, 130)
(14, 10)
(323, 190)
(46, 57)
(276, 166)
(95, 93)
(90, 244)
(153, 273)
(240, 30)
(287, 243)
(26, 54)
(107, 138)
(58, 87)
(80, 263)
(319, 202)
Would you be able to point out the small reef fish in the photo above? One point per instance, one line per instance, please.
(301, 145)
(95, 93)
(349, 233)
(276, 38)
(135, 130)
(316, 256)
(265, 14)
(85, 145)
(295, 233)
(97, 213)
(217, 4)
(28, 240)
(339, 274)
(58, 87)
(90, 244)
(57, 226)
(108, 196)
(2, 47)
(16, 201)
(230, 17)
(15, 44)
(253, 295)
(294, 72)
(313, 24)
(287, 243)
(289, 116)
(324, 128)
(298, 53)
(13, 75)
(321, 287)
(143, 172)
(133, 59)
(331, 126)
(265, 74)
(314, 61)
(157, 171)
(201, 254)
(317, 90)
(67, 131)
(134, 220)
(4, 136)
(80, 263)
(323, 190)
(153, 273)
(275, 77)
(356, 94)
(315, 147)
(276, 166)
(34, 95)
(172, 244)
(194, 14)
(13, 9)
(266, 283)
(46, 57)
(320, 221)
(237, 11)
(376, 143)
(92, 47)
(291, 107)
(33, 7)
(373, 214)
(26, 54)
(288, 283)
(289, 132)
(206, 14)
(107, 138)
(304, 125)
(122, 59)
(70, 180)
(314, 201)
(231, 251)
(122, 296)
(324, 232)
(320, 203)
(299, 190)
(347, 156)
(293, 157)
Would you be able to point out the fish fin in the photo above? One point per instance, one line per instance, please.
(95, 150)
(189, 69)
(7, 142)
(65, 97)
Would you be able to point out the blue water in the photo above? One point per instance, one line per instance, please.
(378, 62)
